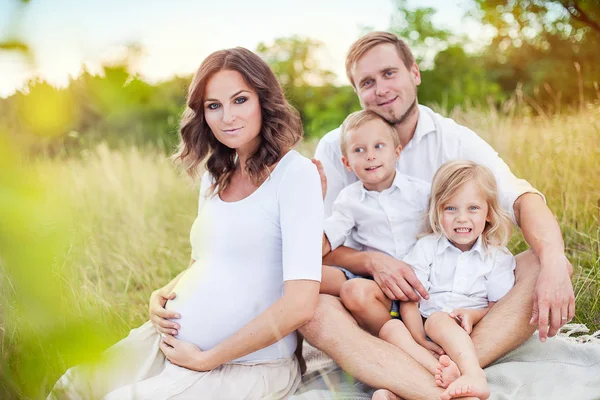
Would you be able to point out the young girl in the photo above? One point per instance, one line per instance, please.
(461, 260)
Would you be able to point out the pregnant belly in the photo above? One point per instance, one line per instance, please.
(213, 306)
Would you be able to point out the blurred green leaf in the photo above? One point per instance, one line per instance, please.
(14, 45)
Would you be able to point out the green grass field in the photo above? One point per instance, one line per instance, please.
(89, 238)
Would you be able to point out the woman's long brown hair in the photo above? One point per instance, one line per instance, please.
(281, 126)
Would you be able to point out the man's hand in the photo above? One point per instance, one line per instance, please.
(159, 316)
(395, 278)
(321, 175)
(185, 354)
(553, 301)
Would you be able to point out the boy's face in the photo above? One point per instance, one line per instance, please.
(371, 154)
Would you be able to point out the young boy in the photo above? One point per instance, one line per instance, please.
(383, 212)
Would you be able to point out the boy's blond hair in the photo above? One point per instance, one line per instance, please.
(372, 39)
(452, 176)
(358, 119)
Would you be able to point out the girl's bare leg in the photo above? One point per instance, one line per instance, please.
(457, 343)
(396, 333)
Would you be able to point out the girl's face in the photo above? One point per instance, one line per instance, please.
(464, 216)
(232, 111)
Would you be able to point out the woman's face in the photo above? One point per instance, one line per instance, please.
(232, 111)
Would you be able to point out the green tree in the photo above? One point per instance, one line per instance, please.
(548, 47)
(450, 76)
(458, 79)
(416, 28)
(309, 88)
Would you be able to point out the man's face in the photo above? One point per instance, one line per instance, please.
(384, 84)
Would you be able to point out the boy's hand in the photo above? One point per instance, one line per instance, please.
(465, 317)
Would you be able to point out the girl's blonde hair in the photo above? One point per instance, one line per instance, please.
(450, 178)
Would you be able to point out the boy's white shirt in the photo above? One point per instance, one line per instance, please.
(386, 221)
(436, 141)
(457, 279)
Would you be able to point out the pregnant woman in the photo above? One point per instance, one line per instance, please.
(256, 254)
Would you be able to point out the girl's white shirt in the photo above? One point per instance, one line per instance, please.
(457, 279)
(245, 250)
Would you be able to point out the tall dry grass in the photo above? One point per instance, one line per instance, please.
(128, 213)
(560, 156)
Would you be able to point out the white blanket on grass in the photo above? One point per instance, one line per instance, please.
(565, 367)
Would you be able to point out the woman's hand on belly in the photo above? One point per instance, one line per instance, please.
(186, 354)
(158, 313)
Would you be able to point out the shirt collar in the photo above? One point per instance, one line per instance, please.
(363, 192)
(444, 243)
(398, 182)
(425, 124)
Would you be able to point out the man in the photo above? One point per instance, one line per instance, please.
(385, 77)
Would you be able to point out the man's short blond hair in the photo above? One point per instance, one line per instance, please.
(372, 39)
(358, 119)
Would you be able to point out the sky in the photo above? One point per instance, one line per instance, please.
(176, 35)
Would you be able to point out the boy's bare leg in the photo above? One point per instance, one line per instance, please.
(365, 357)
(367, 303)
(396, 333)
(332, 280)
(456, 342)
(512, 314)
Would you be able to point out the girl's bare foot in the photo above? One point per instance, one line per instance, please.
(447, 372)
(384, 394)
(472, 385)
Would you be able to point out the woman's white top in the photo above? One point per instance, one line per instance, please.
(457, 279)
(245, 250)
(386, 221)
